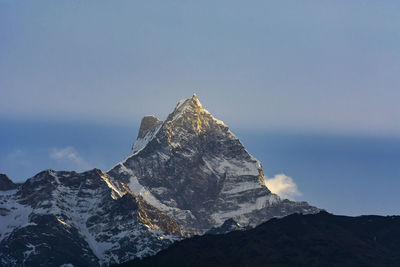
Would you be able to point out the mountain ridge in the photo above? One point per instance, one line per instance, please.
(184, 176)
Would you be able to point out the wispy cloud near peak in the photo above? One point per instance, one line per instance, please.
(69, 156)
(283, 186)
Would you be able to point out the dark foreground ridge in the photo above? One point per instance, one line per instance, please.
(319, 239)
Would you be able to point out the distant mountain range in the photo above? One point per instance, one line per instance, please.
(185, 176)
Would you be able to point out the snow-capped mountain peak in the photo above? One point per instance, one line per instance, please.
(191, 109)
(196, 167)
(185, 175)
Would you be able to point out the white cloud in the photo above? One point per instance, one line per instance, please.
(70, 157)
(283, 186)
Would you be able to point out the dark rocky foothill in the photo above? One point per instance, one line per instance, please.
(319, 239)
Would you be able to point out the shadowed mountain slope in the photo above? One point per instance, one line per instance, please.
(320, 239)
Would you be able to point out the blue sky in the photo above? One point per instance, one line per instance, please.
(323, 76)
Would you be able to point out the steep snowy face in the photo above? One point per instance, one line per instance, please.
(99, 220)
(194, 168)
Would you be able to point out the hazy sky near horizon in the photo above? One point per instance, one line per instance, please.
(312, 88)
(330, 66)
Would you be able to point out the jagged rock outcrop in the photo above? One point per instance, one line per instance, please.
(148, 123)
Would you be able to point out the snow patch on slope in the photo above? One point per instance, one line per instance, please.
(12, 214)
(138, 189)
(241, 209)
(233, 166)
(241, 187)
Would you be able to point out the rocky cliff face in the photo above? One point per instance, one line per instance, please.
(184, 176)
